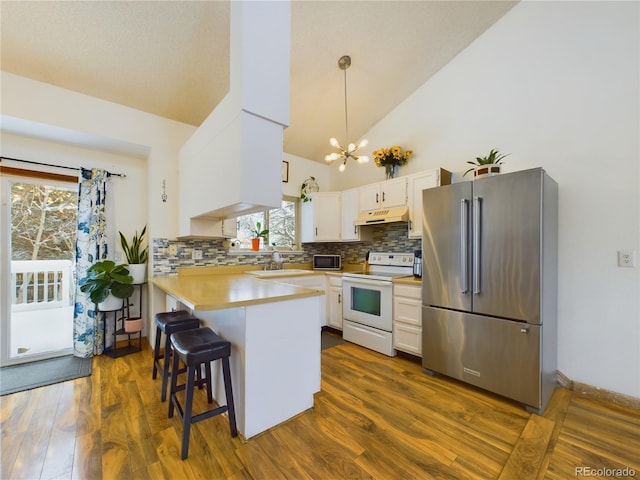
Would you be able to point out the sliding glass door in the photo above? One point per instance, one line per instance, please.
(38, 225)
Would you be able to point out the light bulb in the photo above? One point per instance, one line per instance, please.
(363, 159)
(334, 142)
(342, 166)
(363, 143)
(351, 147)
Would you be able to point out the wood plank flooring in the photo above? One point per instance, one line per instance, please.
(375, 418)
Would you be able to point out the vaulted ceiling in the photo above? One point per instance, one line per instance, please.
(171, 58)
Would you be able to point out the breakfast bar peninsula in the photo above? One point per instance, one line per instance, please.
(274, 330)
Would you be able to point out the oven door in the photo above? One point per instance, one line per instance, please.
(368, 302)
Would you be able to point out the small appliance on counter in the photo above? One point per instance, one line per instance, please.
(327, 262)
(417, 263)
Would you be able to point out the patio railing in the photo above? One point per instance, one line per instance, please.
(39, 284)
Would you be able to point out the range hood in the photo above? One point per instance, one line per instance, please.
(385, 215)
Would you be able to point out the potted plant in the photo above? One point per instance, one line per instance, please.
(136, 255)
(107, 284)
(489, 165)
(257, 234)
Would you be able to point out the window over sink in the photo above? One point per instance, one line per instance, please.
(282, 224)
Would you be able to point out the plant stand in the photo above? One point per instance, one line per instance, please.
(119, 328)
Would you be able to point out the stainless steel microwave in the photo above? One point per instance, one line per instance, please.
(327, 262)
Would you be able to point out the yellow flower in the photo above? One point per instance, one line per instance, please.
(391, 156)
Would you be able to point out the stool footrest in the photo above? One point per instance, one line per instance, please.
(209, 414)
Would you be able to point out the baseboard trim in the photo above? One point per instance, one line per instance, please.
(596, 392)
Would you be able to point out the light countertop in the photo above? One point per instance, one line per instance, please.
(411, 280)
(222, 291)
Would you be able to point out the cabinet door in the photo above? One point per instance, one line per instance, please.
(369, 197)
(350, 208)
(417, 183)
(327, 216)
(335, 307)
(349, 214)
(230, 228)
(320, 219)
(393, 193)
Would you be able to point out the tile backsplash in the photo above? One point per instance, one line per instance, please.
(391, 237)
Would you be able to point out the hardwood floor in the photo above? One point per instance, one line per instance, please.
(375, 418)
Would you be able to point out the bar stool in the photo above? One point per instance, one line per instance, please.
(194, 348)
(169, 323)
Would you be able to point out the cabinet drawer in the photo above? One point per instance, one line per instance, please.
(407, 310)
(411, 291)
(407, 338)
(334, 281)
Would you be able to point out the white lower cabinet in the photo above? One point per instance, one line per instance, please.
(334, 302)
(407, 318)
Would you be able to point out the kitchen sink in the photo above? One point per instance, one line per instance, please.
(278, 273)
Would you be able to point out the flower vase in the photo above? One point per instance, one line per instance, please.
(390, 170)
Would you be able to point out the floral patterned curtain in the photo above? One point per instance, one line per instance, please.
(91, 246)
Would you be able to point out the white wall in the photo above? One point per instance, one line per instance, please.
(101, 126)
(300, 169)
(556, 84)
(120, 193)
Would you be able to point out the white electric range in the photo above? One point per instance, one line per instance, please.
(368, 301)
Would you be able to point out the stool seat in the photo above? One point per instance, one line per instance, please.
(197, 347)
(200, 345)
(169, 323)
(166, 318)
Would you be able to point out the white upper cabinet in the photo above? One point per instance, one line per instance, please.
(416, 183)
(320, 219)
(350, 209)
(387, 194)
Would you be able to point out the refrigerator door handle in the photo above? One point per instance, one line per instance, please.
(477, 202)
(464, 239)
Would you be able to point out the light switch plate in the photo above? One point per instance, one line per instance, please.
(197, 255)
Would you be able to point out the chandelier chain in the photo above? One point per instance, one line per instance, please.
(346, 116)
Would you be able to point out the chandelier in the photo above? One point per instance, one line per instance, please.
(348, 152)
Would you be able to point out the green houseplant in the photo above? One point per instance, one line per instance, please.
(136, 255)
(105, 278)
(257, 234)
(489, 165)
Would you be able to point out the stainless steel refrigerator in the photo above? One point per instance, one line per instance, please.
(489, 284)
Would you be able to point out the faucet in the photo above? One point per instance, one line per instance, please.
(278, 260)
(276, 263)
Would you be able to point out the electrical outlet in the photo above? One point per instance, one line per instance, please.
(173, 250)
(197, 255)
(626, 258)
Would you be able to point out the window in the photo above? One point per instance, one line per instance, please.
(281, 223)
